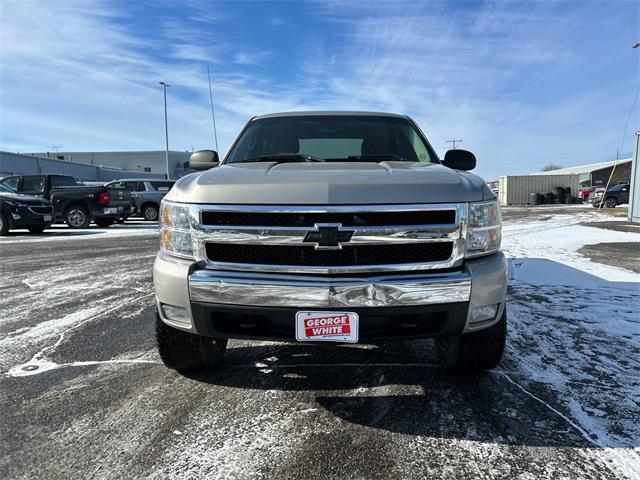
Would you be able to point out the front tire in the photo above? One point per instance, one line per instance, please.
(610, 202)
(475, 351)
(186, 352)
(77, 216)
(4, 225)
(150, 212)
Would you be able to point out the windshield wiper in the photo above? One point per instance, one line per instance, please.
(377, 158)
(285, 157)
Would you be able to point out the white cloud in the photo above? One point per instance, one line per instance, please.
(509, 79)
(250, 58)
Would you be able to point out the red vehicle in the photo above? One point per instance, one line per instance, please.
(584, 193)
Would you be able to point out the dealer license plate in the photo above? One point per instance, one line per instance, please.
(327, 327)
(47, 218)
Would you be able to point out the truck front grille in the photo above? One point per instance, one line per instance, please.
(330, 240)
(348, 256)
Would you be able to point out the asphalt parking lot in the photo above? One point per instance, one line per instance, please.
(83, 393)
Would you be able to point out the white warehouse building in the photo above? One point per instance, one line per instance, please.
(149, 161)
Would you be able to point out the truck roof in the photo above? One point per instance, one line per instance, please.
(327, 112)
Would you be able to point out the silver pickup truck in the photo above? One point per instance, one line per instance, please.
(331, 227)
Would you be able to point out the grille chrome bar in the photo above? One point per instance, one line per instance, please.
(296, 235)
(362, 235)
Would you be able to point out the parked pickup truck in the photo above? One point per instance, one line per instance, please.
(331, 227)
(74, 203)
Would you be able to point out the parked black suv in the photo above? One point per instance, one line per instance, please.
(616, 195)
(23, 211)
(74, 203)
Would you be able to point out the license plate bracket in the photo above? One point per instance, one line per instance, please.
(327, 326)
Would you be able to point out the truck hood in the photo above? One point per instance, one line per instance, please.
(331, 183)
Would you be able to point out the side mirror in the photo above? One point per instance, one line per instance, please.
(459, 160)
(203, 160)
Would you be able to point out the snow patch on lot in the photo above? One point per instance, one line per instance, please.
(574, 330)
(63, 232)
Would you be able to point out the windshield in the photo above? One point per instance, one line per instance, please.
(332, 138)
(5, 189)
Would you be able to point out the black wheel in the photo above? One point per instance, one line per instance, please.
(610, 202)
(104, 222)
(185, 352)
(77, 216)
(150, 212)
(37, 230)
(4, 225)
(474, 351)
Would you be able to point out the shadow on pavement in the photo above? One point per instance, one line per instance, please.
(393, 387)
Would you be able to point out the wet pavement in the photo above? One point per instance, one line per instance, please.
(563, 403)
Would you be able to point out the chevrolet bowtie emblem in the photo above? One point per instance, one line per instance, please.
(328, 236)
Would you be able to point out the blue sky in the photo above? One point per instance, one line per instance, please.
(523, 83)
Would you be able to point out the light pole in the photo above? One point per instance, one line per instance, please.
(166, 126)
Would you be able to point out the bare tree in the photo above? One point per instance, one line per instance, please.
(551, 166)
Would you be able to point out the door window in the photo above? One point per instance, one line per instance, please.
(61, 181)
(11, 183)
(162, 186)
(32, 185)
(131, 186)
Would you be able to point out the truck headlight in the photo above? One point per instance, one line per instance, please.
(485, 228)
(175, 229)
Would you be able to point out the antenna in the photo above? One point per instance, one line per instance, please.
(453, 142)
(213, 114)
(54, 147)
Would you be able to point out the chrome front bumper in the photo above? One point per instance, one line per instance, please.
(269, 290)
(179, 282)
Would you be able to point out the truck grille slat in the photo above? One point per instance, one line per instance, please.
(350, 219)
(348, 256)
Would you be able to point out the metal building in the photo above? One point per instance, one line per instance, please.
(596, 173)
(149, 161)
(16, 164)
(516, 189)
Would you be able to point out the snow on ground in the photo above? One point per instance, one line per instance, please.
(575, 329)
(63, 232)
